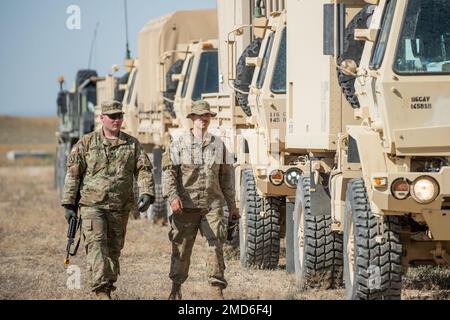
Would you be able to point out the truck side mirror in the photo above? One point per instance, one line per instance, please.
(177, 77)
(253, 61)
(366, 34)
(231, 56)
(349, 67)
(259, 26)
(162, 77)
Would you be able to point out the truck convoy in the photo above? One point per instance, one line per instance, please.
(75, 110)
(344, 154)
(373, 190)
(177, 62)
(356, 149)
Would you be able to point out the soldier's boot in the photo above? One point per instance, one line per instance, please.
(175, 293)
(103, 294)
(216, 293)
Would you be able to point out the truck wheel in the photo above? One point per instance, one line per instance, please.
(318, 250)
(290, 258)
(244, 75)
(259, 236)
(353, 49)
(118, 94)
(372, 269)
(83, 75)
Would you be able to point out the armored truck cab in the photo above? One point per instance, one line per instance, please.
(373, 185)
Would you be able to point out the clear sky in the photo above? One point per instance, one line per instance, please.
(37, 46)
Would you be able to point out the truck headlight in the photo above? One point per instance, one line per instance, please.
(424, 189)
(276, 177)
(400, 189)
(292, 176)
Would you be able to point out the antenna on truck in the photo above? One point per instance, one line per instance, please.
(127, 54)
(92, 44)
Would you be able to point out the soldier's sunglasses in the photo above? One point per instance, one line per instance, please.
(115, 116)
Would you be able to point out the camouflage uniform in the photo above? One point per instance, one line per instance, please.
(197, 172)
(103, 170)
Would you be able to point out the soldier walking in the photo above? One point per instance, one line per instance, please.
(197, 182)
(100, 168)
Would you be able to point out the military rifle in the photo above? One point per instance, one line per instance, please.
(74, 225)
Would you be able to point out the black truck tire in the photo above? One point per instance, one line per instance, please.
(83, 75)
(244, 75)
(119, 94)
(372, 269)
(318, 250)
(259, 236)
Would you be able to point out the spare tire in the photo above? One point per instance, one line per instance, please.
(244, 75)
(353, 50)
(171, 86)
(83, 75)
(118, 94)
(61, 102)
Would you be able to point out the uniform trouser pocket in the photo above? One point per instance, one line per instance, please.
(104, 234)
(214, 229)
(183, 231)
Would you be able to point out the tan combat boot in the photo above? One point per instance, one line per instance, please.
(175, 294)
(216, 293)
(103, 294)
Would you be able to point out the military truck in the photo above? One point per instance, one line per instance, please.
(161, 86)
(366, 112)
(251, 118)
(75, 110)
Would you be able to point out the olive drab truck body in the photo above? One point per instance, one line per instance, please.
(75, 110)
(375, 170)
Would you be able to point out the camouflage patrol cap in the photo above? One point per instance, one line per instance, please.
(201, 107)
(111, 107)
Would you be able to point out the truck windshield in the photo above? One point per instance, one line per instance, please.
(424, 45)
(207, 79)
(383, 35)
(265, 62)
(186, 78)
(279, 74)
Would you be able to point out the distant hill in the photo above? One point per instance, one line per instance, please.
(27, 130)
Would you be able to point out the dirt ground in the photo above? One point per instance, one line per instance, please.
(27, 134)
(32, 249)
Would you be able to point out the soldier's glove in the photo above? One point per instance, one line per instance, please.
(233, 222)
(70, 212)
(144, 202)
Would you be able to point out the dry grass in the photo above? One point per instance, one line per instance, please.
(27, 133)
(32, 249)
(27, 130)
(33, 238)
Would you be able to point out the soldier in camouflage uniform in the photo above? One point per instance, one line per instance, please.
(101, 168)
(197, 182)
